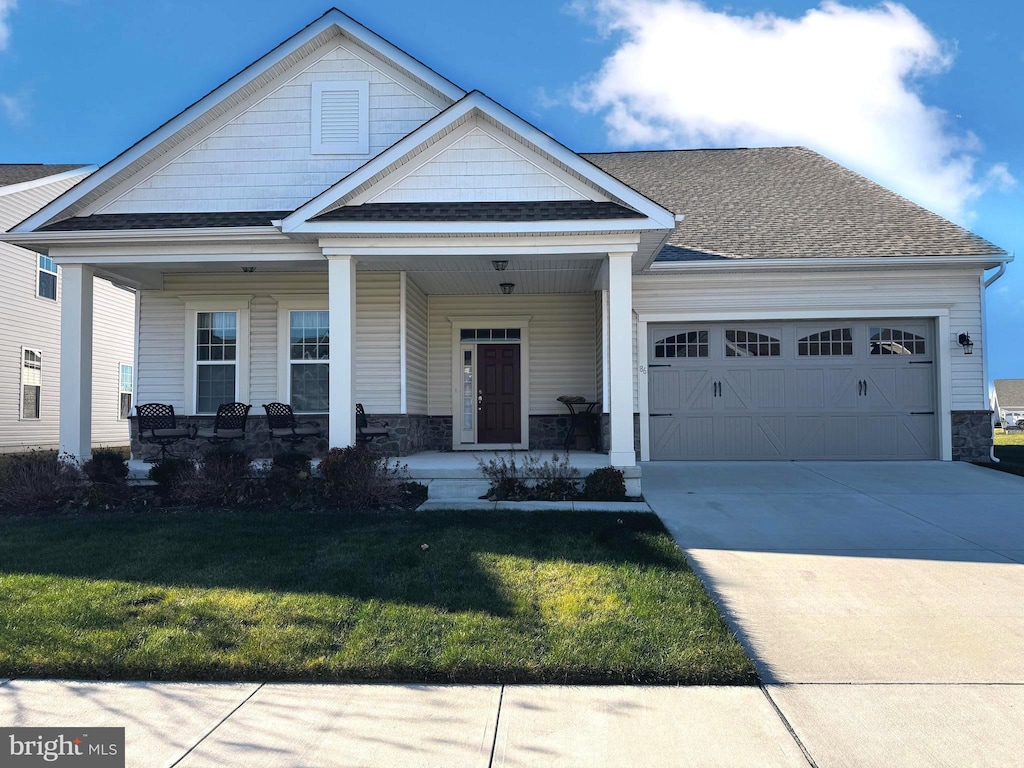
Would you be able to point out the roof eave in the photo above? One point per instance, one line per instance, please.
(985, 261)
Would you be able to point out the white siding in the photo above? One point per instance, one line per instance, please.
(478, 168)
(113, 343)
(561, 355)
(840, 294)
(33, 322)
(162, 334)
(415, 348)
(262, 159)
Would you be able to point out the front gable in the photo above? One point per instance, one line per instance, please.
(477, 162)
(248, 144)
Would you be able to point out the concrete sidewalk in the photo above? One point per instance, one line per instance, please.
(414, 726)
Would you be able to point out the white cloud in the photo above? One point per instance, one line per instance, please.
(840, 80)
(6, 8)
(13, 109)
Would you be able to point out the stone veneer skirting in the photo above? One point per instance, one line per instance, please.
(972, 435)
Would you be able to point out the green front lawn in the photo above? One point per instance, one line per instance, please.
(495, 597)
(1009, 438)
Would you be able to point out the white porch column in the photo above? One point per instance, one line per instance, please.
(341, 301)
(76, 361)
(620, 358)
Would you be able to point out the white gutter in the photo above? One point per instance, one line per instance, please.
(731, 264)
(995, 415)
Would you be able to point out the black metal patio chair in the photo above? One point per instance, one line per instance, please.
(159, 426)
(228, 424)
(283, 426)
(366, 430)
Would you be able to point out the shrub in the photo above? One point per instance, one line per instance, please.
(42, 482)
(412, 494)
(605, 484)
(107, 471)
(289, 478)
(359, 478)
(506, 477)
(556, 480)
(167, 473)
(221, 480)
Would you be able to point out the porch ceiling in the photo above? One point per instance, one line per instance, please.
(455, 277)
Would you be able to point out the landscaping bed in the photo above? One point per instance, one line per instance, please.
(296, 595)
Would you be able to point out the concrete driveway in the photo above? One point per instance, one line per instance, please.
(883, 603)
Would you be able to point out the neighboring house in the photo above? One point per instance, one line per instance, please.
(338, 223)
(31, 294)
(1008, 401)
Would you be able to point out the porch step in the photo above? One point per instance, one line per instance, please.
(456, 489)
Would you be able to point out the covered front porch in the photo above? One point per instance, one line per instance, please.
(458, 347)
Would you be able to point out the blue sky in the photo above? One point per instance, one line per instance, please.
(925, 97)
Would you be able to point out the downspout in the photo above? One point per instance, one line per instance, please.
(999, 273)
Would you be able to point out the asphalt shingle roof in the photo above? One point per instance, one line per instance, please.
(14, 173)
(782, 202)
(558, 210)
(1010, 393)
(111, 221)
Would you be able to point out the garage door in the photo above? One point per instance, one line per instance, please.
(795, 390)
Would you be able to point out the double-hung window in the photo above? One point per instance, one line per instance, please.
(46, 286)
(125, 382)
(216, 360)
(31, 382)
(309, 355)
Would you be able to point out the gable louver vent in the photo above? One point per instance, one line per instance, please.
(340, 119)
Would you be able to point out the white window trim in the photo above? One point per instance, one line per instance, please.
(320, 147)
(195, 305)
(56, 277)
(285, 306)
(121, 390)
(21, 385)
(522, 322)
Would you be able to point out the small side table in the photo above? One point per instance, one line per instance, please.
(583, 410)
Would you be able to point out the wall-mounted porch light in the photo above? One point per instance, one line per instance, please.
(507, 288)
(500, 265)
(964, 340)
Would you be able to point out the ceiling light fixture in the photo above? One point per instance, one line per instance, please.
(507, 288)
(248, 269)
(500, 265)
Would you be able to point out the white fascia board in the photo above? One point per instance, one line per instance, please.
(12, 189)
(659, 216)
(819, 263)
(333, 17)
(133, 236)
(327, 228)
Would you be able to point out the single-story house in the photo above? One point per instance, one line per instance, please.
(31, 295)
(340, 224)
(1008, 401)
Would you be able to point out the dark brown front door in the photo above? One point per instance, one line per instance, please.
(498, 394)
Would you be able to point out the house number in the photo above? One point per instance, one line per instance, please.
(643, 369)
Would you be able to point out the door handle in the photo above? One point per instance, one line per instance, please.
(865, 387)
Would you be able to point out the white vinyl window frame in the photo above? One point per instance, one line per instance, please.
(458, 322)
(195, 305)
(46, 266)
(122, 383)
(22, 383)
(321, 144)
(285, 306)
